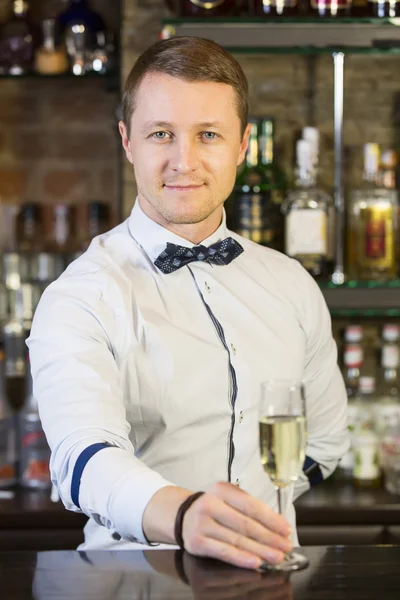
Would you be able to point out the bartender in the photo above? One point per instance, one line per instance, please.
(149, 351)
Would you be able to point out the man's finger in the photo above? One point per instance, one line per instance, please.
(252, 507)
(237, 540)
(231, 518)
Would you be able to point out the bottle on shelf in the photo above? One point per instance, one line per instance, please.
(372, 224)
(18, 40)
(307, 210)
(254, 207)
(29, 228)
(8, 474)
(365, 441)
(384, 8)
(387, 407)
(275, 8)
(58, 229)
(330, 8)
(352, 362)
(203, 8)
(79, 26)
(34, 452)
(14, 336)
(273, 220)
(352, 358)
(360, 8)
(51, 57)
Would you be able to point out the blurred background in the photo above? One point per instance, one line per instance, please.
(320, 182)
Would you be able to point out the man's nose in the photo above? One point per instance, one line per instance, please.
(185, 156)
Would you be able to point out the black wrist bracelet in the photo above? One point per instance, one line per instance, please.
(180, 515)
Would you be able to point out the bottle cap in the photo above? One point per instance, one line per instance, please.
(390, 332)
(353, 333)
(311, 135)
(371, 158)
(367, 384)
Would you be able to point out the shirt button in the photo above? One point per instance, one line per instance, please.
(207, 287)
(240, 416)
(233, 349)
(237, 483)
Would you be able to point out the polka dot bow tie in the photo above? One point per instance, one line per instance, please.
(174, 257)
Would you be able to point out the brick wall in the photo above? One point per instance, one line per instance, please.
(59, 138)
(280, 87)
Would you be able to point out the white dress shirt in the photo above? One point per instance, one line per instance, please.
(124, 354)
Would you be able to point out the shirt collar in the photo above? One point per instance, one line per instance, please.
(153, 237)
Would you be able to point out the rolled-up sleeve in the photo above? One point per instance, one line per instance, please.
(326, 398)
(76, 380)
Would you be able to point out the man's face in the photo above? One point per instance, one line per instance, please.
(185, 144)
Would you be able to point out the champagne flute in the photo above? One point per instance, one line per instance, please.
(282, 426)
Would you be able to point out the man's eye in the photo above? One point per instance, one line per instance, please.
(210, 135)
(160, 135)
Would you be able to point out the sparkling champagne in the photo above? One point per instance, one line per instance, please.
(282, 447)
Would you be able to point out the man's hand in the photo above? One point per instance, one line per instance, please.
(225, 523)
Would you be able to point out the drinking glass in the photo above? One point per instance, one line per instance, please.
(282, 427)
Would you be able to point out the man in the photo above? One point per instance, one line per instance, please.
(149, 351)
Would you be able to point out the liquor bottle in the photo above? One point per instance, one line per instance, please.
(372, 224)
(51, 57)
(58, 229)
(360, 8)
(29, 228)
(202, 8)
(366, 470)
(275, 8)
(244, 207)
(3, 308)
(307, 215)
(98, 218)
(273, 219)
(18, 39)
(34, 451)
(352, 359)
(252, 209)
(14, 335)
(384, 8)
(79, 25)
(387, 407)
(7, 433)
(330, 8)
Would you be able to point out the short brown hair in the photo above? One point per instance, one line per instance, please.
(190, 59)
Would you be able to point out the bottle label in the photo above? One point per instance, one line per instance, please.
(306, 232)
(35, 453)
(353, 356)
(377, 241)
(7, 452)
(259, 219)
(366, 461)
(375, 238)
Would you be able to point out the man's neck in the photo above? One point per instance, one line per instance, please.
(192, 232)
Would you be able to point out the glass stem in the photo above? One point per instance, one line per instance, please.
(279, 490)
